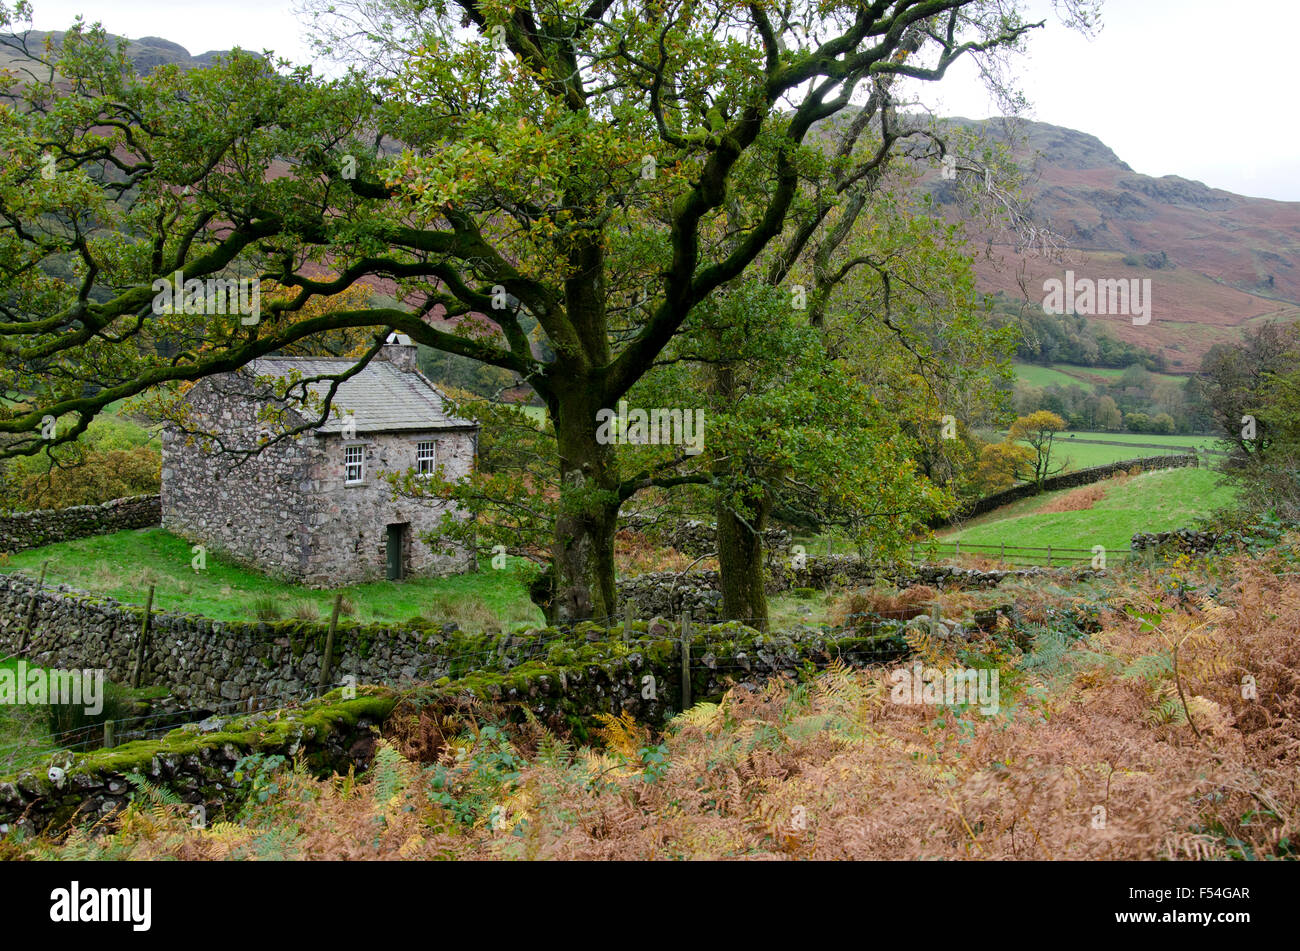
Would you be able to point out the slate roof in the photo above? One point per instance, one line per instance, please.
(382, 397)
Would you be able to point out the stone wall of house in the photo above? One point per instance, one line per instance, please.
(347, 524)
(253, 509)
(24, 530)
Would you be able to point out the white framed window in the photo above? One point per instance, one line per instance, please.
(354, 464)
(426, 458)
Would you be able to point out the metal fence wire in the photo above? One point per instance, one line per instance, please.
(1046, 556)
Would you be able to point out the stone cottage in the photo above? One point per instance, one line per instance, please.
(315, 508)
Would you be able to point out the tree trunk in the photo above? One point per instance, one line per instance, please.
(740, 560)
(583, 550)
(740, 541)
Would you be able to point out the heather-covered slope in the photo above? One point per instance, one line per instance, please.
(1217, 261)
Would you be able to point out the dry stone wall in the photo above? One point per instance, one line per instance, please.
(208, 662)
(667, 593)
(564, 679)
(196, 762)
(1182, 539)
(23, 530)
(695, 538)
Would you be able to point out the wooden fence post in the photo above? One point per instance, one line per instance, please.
(1049, 556)
(109, 739)
(327, 659)
(935, 611)
(629, 612)
(31, 610)
(142, 642)
(1002, 552)
(686, 659)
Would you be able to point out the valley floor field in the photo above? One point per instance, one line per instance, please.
(1065, 374)
(1080, 449)
(1107, 513)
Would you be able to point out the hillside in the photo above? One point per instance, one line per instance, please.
(146, 53)
(1218, 261)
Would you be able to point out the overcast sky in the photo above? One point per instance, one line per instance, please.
(1163, 84)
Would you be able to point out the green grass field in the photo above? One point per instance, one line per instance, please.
(1156, 501)
(1203, 442)
(123, 565)
(1082, 452)
(1065, 374)
(1081, 455)
(1084, 455)
(1036, 375)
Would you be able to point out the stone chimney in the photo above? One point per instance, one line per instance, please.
(400, 352)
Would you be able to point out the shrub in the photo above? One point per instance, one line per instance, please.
(109, 461)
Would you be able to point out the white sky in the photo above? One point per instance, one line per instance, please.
(1164, 84)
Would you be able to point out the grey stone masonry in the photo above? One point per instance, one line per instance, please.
(205, 661)
(316, 508)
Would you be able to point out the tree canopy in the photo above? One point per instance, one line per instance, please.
(552, 189)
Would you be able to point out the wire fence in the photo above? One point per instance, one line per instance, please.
(1050, 556)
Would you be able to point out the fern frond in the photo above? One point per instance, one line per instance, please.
(388, 776)
(622, 733)
(152, 793)
(1149, 667)
(704, 716)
